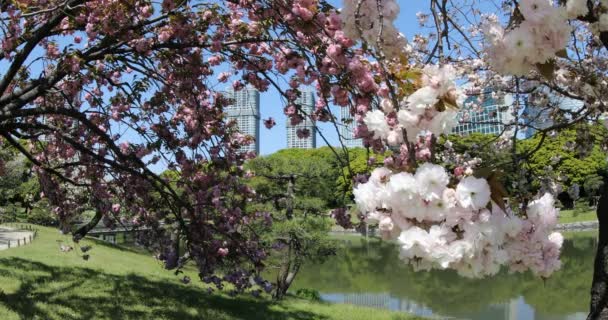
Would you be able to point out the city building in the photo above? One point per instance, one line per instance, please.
(534, 119)
(347, 129)
(490, 118)
(246, 111)
(539, 118)
(307, 104)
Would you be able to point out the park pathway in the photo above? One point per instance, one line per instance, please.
(11, 237)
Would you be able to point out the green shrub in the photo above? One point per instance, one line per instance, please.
(308, 294)
(580, 207)
(41, 216)
(9, 213)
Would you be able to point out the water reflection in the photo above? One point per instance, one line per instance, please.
(371, 274)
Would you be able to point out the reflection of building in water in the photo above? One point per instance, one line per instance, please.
(368, 300)
(383, 301)
(511, 311)
(501, 297)
(518, 309)
(514, 309)
(574, 316)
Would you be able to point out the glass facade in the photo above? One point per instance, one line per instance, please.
(347, 129)
(535, 118)
(489, 118)
(246, 111)
(539, 118)
(307, 102)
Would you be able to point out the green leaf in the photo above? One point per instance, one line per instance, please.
(497, 190)
(440, 106)
(450, 102)
(562, 53)
(364, 47)
(547, 69)
(516, 18)
(483, 172)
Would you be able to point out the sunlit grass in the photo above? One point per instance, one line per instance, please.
(580, 234)
(569, 216)
(38, 281)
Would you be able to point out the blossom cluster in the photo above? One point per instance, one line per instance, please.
(576, 8)
(107, 120)
(439, 225)
(432, 108)
(542, 34)
(361, 21)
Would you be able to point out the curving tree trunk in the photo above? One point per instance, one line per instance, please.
(599, 287)
(290, 267)
(284, 281)
(82, 231)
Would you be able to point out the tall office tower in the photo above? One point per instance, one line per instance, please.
(347, 129)
(307, 103)
(539, 118)
(495, 113)
(246, 111)
(535, 118)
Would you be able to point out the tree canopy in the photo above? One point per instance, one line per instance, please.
(106, 92)
(573, 155)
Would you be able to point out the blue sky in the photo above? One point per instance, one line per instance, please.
(270, 102)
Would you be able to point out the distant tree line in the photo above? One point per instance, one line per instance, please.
(573, 167)
(20, 194)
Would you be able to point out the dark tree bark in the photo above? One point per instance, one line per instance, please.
(290, 264)
(289, 270)
(82, 231)
(599, 287)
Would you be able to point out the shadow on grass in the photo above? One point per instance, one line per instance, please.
(49, 292)
(125, 247)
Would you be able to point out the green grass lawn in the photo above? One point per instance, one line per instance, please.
(573, 235)
(38, 281)
(569, 216)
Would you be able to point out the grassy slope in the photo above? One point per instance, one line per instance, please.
(39, 281)
(567, 216)
(580, 234)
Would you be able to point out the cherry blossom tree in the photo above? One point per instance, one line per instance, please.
(536, 51)
(104, 91)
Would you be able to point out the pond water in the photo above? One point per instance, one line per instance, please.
(371, 274)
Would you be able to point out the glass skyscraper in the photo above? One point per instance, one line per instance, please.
(246, 111)
(307, 103)
(539, 118)
(490, 118)
(347, 129)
